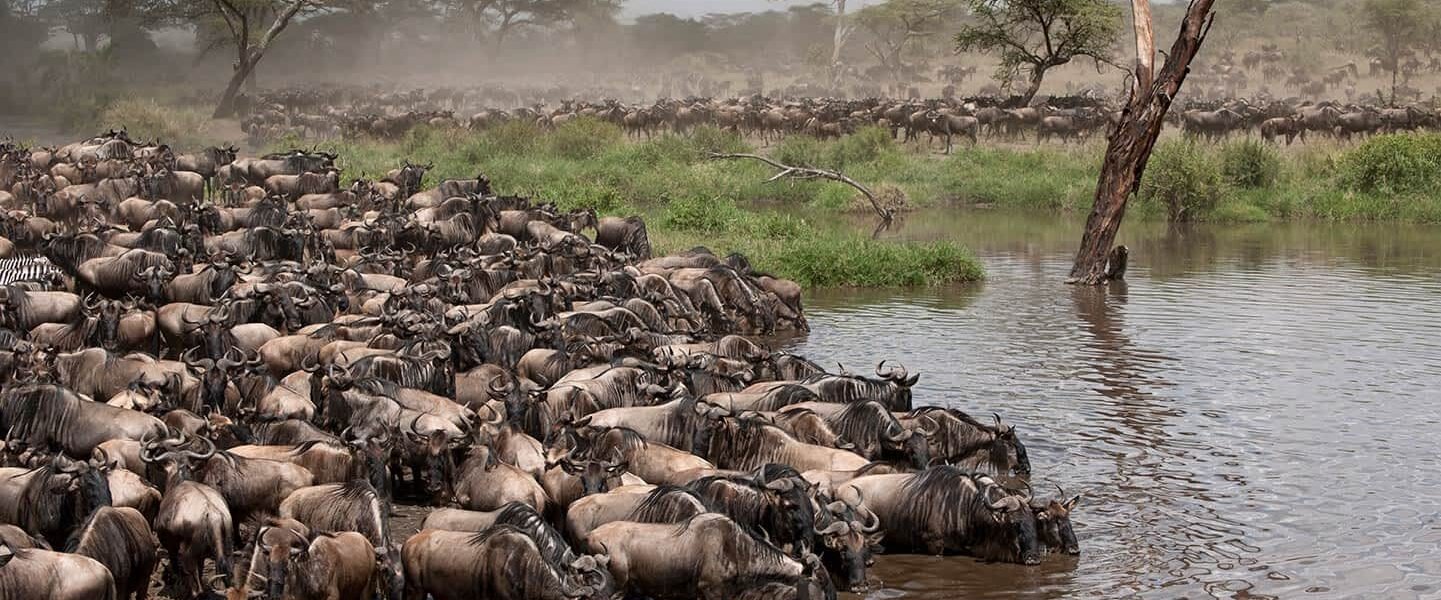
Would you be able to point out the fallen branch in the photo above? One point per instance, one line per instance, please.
(789, 172)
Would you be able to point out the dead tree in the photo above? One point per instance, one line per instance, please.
(789, 172)
(1134, 136)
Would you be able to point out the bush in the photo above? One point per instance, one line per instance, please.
(583, 138)
(1183, 177)
(1248, 163)
(1394, 163)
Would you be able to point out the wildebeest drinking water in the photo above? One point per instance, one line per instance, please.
(261, 393)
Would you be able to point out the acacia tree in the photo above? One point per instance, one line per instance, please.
(1401, 25)
(1038, 35)
(896, 23)
(242, 20)
(498, 19)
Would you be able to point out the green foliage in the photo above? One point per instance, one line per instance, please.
(1249, 163)
(1394, 163)
(1184, 177)
(699, 214)
(835, 261)
(1036, 35)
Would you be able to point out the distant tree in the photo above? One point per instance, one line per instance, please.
(1400, 26)
(1038, 35)
(895, 24)
(242, 20)
(665, 35)
(498, 19)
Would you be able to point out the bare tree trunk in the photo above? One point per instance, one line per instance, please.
(1133, 138)
(1034, 86)
(251, 55)
(838, 42)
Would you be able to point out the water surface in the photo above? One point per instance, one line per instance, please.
(1254, 413)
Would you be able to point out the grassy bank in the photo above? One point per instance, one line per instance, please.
(688, 200)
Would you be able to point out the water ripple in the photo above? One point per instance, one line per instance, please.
(1228, 413)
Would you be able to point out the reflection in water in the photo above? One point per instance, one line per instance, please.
(1251, 415)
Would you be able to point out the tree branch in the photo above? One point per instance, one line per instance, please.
(787, 171)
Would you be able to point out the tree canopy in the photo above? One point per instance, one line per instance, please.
(1036, 35)
(895, 24)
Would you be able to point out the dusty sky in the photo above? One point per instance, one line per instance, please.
(696, 8)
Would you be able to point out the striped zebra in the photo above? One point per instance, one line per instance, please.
(27, 268)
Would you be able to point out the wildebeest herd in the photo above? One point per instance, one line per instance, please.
(232, 385)
(333, 112)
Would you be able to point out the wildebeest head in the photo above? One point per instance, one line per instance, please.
(1010, 509)
(597, 475)
(433, 449)
(1053, 522)
(850, 534)
(154, 279)
(214, 375)
(170, 458)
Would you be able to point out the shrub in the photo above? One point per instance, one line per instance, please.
(1394, 163)
(1249, 163)
(1183, 177)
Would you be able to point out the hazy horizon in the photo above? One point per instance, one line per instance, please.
(697, 8)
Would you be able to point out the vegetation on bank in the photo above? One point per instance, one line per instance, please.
(688, 199)
(1393, 177)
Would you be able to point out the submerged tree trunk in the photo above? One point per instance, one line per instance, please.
(1133, 138)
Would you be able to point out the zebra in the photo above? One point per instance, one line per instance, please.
(28, 268)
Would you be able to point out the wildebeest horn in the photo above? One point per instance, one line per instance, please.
(928, 432)
(900, 436)
(204, 454)
(1006, 504)
(781, 485)
(502, 390)
(837, 527)
(1001, 426)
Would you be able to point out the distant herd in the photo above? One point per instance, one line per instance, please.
(336, 112)
(220, 374)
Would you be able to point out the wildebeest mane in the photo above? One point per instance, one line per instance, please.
(617, 439)
(68, 252)
(37, 410)
(969, 441)
(552, 545)
(865, 422)
(760, 552)
(949, 501)
(668, 504)
(750, 443)
(350, 507)
(786, 395)
(110, 539)
(527, 568)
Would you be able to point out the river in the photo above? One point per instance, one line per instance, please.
(1254, 413)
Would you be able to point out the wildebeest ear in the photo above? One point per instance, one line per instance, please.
(1070, 505)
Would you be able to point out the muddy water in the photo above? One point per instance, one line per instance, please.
(1255, 413)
